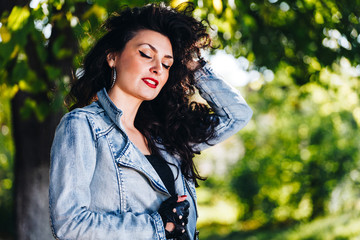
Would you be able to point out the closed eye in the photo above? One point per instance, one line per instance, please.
(144, 55)
(166, 66)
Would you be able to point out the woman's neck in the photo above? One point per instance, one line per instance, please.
(129, 106)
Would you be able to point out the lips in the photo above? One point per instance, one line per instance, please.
(151, 82)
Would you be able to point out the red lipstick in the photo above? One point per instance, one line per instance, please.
(151, 82)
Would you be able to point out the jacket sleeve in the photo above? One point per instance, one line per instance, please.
(228, 105)
(73, 160)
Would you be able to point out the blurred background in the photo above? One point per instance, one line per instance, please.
(292, 173)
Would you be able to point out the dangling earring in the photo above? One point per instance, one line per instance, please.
(113, 77)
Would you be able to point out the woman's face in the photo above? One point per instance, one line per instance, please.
(143, 66)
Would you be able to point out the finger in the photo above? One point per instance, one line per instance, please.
(170, 226)
(182, 198)
(186, 204)
(179, 230)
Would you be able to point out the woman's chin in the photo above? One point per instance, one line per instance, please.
(148, 97)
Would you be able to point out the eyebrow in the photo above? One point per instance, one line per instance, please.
(155, 50)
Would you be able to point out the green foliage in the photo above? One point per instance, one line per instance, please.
(332, 227)
(6, 163)
(300, 145)
(271, 32)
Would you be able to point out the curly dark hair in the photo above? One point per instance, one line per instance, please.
(171, 119)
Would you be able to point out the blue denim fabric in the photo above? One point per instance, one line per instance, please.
(103, 187)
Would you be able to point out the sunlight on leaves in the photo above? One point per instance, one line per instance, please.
(5, 34)
(18, 17)
(218, 6)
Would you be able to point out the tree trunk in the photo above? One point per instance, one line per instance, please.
(33, 138)
(32, 143)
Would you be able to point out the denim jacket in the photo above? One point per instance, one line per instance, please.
(103, 187)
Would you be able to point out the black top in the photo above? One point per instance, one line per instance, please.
(163, 170)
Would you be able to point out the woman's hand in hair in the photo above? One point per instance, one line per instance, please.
(194, 65)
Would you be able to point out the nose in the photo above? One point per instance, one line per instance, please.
(157, 68)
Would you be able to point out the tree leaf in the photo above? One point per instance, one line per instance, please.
(18, 17)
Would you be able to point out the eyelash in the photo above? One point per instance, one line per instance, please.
(146, 56)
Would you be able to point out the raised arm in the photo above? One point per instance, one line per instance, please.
(73, 161)
(229, 106)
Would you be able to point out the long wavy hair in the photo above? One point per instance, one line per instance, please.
(171, 120)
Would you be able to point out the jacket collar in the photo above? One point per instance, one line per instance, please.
(112, 111)
(139, 162)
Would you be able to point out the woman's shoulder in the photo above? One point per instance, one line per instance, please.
(92, 115)
(90, 110)
(93, 110)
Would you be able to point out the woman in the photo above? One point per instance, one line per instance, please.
(122, 159)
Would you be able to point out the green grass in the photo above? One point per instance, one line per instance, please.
(334, 227)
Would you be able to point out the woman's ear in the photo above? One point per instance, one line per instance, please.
(110, 58)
